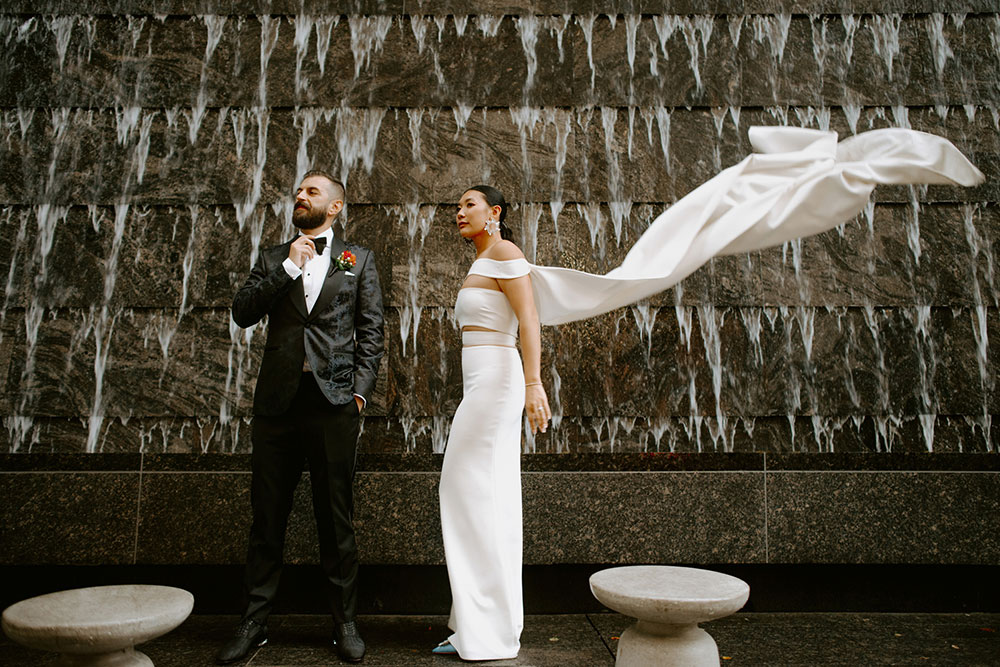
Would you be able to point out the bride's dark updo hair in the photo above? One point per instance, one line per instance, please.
(495, 198)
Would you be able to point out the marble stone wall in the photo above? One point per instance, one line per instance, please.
(149, 150)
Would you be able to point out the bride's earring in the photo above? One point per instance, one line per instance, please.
(492, 226)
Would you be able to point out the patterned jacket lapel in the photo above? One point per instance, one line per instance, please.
(298, 292)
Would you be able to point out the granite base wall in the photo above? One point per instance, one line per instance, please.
(808, 532)
(697, 509)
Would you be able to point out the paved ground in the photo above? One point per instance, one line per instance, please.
(578, 639)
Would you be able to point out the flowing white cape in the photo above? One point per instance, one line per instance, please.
(799, 183)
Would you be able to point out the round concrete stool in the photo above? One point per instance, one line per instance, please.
(98, 626)
(669, 602)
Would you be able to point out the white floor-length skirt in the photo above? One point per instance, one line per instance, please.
(481, 505)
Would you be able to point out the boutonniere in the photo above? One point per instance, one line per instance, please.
(346, 261)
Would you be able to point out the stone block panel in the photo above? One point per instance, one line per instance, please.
(154, 8)
(68, 518)
(422, 435)
(493, 7)
(249, 158)
(203, 368)
(737, 362)
(397, 518)
(416, 59)
(871, 514)
(881, 517)
(176, 259)
(560, 523)
(194, 518)
(388, 506)
(163, 257)
(644, 518)
(173, 434)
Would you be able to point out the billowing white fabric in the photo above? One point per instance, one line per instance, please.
(480, 495)
(487, 308)
(800, 182)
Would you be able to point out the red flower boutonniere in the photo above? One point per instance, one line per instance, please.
(346, 261)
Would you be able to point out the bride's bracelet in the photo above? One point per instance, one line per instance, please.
(529, 384)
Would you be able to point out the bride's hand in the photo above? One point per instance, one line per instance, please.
(536, 405)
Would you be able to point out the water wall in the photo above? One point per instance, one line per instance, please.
(148, 151)
(147, 158)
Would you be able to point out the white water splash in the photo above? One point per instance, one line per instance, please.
(62, 29)
(531, 213)
(851, 23)
(418, 225)
(885, 33)
(357, 138)
(215, 26)
(368, 34)
(489, 26)
(528, 27)
(324, 26)
(269, 26)
(939, 43)
(586, 24)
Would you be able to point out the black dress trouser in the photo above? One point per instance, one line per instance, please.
(325, 436)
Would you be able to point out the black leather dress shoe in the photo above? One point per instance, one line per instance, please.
(249, 635)
(347, 642)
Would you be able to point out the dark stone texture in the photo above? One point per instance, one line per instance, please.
(153, 463)
(95, 165)
(159, 62)
(68, 518)
(70, 462)
(882, 517)
(644, 518)
(197, 518)
(397, 518)
(883, 462)
(842, 508)
(492, 7)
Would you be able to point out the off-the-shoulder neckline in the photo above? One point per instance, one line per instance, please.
(500, 261)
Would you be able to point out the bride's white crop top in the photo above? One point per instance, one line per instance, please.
(487, 308)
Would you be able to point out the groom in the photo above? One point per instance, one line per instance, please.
(324, 343)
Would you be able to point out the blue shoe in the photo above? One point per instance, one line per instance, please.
(445, 648)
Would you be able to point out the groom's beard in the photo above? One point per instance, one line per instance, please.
(308, 218)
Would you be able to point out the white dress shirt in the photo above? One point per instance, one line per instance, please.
(313, 272)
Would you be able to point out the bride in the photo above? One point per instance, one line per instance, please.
(480, 486)
(800, 182)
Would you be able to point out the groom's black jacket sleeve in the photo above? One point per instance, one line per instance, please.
(342, 337)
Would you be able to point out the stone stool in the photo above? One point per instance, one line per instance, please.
(669, 602)
(98, 626)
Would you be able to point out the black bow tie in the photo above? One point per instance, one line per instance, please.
(320, 243)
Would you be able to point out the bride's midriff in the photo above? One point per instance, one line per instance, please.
(473, 336)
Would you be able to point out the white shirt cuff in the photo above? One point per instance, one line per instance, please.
(290, 268)
(363, 401)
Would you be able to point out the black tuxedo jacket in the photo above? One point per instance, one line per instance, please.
(342, 337)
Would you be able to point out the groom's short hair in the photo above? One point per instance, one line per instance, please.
(339, 191)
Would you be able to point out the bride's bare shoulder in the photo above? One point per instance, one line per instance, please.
(504, 251)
